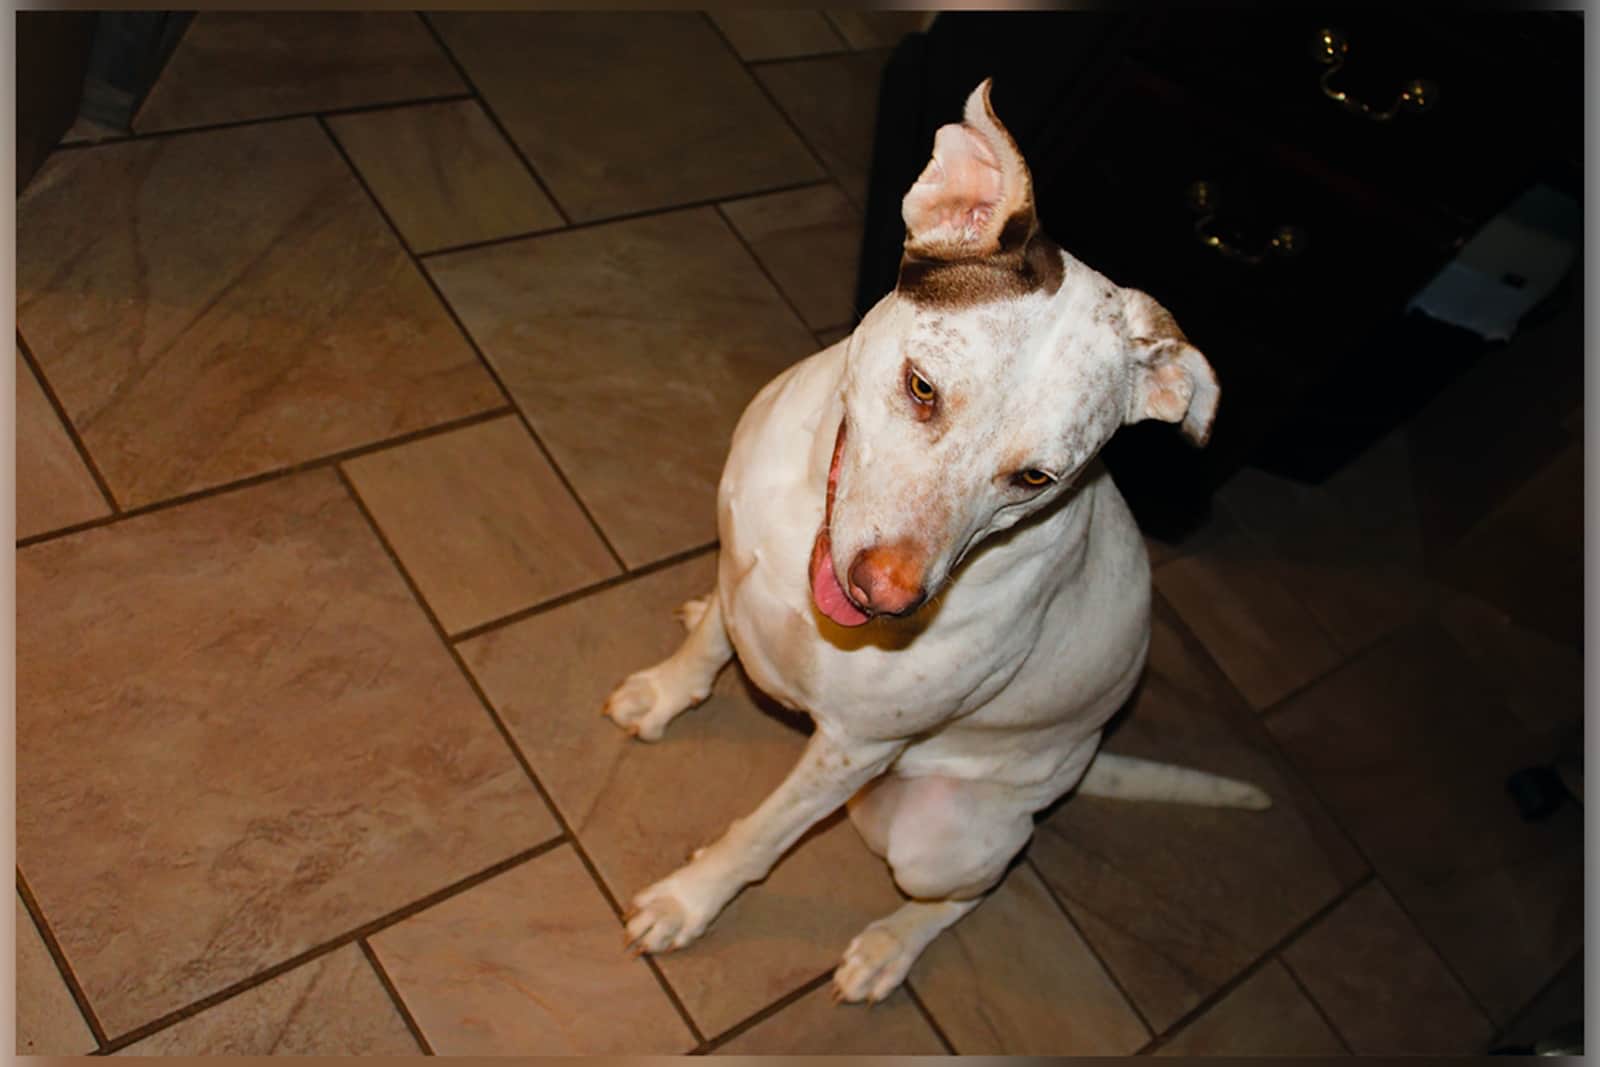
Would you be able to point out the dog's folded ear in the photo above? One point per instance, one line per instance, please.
(1171, 380)
(975, 197)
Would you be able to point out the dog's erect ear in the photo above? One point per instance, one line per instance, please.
(1171, 379)
(975, 195)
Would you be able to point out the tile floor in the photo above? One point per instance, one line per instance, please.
(371, 400)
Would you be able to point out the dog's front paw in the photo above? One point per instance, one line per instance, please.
(646, 702)
(664, 917)
(874, 966)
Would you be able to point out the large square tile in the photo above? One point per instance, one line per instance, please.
(48, 1020)
(1178, 900)
(237, 738)
(757, 35)
(815, 1025)
(54, 488)
(236, 65)
(640, 809)
(1382, 985)
(480, 521)
(1267, 1015)
(879, 29)
(444, 174)
(332, 1006)
(1411, 750)
(529, 963)
(833, 101)
(218, 305)
(633, 348)
(1539, 679)
(1013, 978)
(622, 112)
(810, 239)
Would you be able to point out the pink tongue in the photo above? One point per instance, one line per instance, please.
(825, 588)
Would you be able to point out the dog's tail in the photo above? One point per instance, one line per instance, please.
(1130, 778)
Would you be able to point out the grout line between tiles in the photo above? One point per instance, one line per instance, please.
(1066, 913)
(567, 835)
(1271, 953)
(1316, 1005)
(494, 118)
(66, 421)
(765, 273)
(365, 930)
(330, 460)
(394, 995)
(1516, 1017)
(31, 904)
(761, 1015)
(259, 120)
(578, 594)
(466, 335)
(762, 86)
(927, 1015)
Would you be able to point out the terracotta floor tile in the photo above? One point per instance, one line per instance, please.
(529, 963)
(1382, 985)
(1411, 750)
(815, 1026)
(833, 101)
(1178, 900)
(237, 737)
(633, 348)
(481, 522)
(832, 336)
(48, 1020)
(54, 488)
(217, 305)
(640, 809)
(333, 1006)
(1267, 1015)
(877, 29)
(1539, 679)
(602, 101)
(444, 174)
(758, 35)
(235, 65)
(1013, 978)
(1228, 590)
(810, 239)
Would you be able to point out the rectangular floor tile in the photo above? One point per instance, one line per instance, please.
(1411, 750)
(444, 174)
(1013, 978)
(758, 35)
(529, 963)
(480, 521)
(1539, 679)
(54, 488)
(1178, 900)
(810, 239)
(640, 809)
(833, 101)
(332, 1006)
(236, 65)
(1382, 985)
(878, 29)
(1267, 1015)
(626, 112)
(48, 1020)
(633, 348)
(217, 305)
(237, 738)
(815, 1025)
(1228, 590)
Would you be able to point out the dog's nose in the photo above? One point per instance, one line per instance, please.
(886, 579)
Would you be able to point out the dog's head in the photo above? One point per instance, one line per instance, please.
(976, 392)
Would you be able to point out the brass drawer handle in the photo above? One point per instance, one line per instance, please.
(1286, 241)
(1331, 46)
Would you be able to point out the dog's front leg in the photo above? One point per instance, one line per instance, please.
(676, 910)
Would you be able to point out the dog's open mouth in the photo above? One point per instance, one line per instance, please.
(829, 595)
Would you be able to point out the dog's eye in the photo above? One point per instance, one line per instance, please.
(921, 390)
(1032, 479)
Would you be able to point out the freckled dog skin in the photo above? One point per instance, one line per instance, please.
(920, 550)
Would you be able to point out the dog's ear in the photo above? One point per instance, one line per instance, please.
(1171, 380)
(975, 196)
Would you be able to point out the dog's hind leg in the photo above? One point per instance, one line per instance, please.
(648, 700)
(878, 960)
(1130, 778)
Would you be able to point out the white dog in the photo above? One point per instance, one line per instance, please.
(919, 550)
